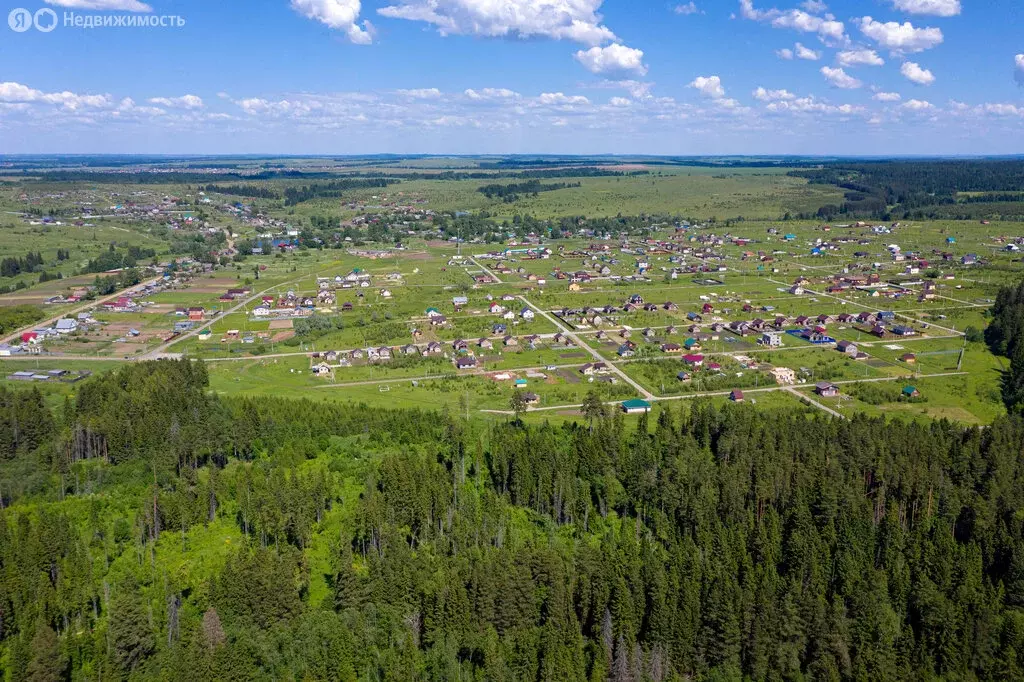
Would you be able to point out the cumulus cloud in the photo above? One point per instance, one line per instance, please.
(491, 93)
(337, 14)
(859, 57)
(17, 93)
(815, 6)
(887, 97)
(839, 78)
(709, 86)
(1018, 69)
(636, 89)
(183, 102)
(900, 37)
(812, 105)
(764, 95)
(560, 99)
(918, 105)
(1003, 109)
(614, 58)
(829, 30)
(913, 72)
(620, 102)
(576, 20)
(420, 93)
(807, 53)
(688, 9)
(120, 5)
(784, 53)
(938, 8)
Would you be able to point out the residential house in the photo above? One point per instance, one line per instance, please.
(671, 348)
(465, 362)
(771, 339)
(66, 326)
(736, 396)
(636, 406)
(826, 389)
(526, 314)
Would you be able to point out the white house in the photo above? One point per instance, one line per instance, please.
(526, 314)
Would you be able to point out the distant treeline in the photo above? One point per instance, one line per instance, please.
(256, 191)
(918, 189)
(331, 190)
(511, 193)
(164, 177)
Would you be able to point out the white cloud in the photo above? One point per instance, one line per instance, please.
(859, 57)
(1018, 69)
(121, 5)
(183, 102)
(814, 6)
(812, 105)
(913, 72)
(338, 14)
(22, 94)
(829, 30)
(938, 8)
(620, 102)
(840, 78)
(1000, 109)
(807, 53)
(918, 105)
(491, 93)
(784, 53)
(900, 37)
(420, 93)
(576, 20)
(614, 58)
(764, 95)
(636, 89)
(709, 86)
(561, 99)
(887, 97)
(688, 9)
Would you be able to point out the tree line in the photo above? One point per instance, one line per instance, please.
(699, 542)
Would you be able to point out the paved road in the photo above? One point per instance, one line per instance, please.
(80, 309)
(585, 346)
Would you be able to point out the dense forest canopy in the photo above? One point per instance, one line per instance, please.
(923, 189)
(1005, 336)
(697, 543)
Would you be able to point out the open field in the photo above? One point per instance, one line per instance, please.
(937, 277)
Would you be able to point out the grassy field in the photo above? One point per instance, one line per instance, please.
(756, 257)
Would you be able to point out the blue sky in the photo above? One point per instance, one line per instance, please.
(872, 77)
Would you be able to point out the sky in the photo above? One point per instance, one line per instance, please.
(707, 77)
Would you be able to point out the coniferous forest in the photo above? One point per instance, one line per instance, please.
(153, 530)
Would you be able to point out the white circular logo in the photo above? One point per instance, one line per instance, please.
(20, 19)
(46, 20)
